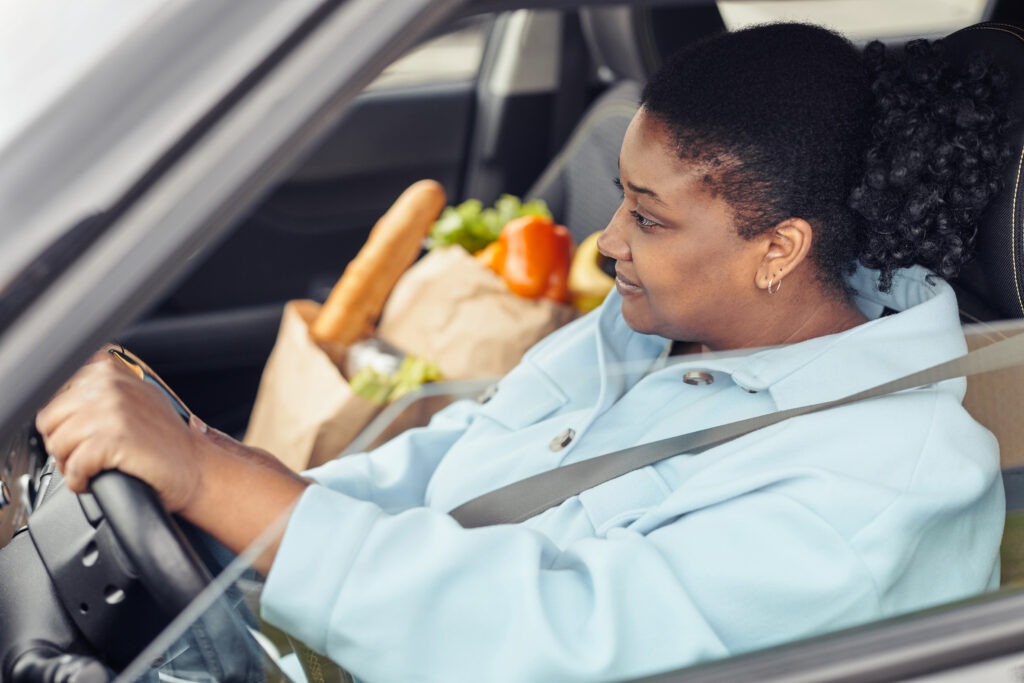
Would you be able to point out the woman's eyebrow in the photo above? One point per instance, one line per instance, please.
(639, 189)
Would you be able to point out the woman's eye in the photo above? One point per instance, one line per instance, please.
(641, 220)
(617, 182)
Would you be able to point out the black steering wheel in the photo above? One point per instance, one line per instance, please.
(97, 576)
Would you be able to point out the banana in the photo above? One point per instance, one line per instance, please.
(588, 284)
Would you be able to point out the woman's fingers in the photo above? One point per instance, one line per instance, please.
(107, 418)
(73, 429)
(87, 385)
(81, 465)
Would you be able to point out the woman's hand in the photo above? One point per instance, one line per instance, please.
(105, 417)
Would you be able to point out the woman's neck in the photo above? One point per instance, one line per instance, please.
(779, 322)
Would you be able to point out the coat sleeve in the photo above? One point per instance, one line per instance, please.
(394, 476)
(413, 596)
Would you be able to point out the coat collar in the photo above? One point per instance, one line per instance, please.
(924, 331)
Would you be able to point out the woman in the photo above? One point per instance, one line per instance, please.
(764, 173)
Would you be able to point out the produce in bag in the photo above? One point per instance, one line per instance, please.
(352, 308)
(306, 410)
(533, 256)
(473, 227)
(589, 284)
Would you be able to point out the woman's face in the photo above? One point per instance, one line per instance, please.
(682, 270)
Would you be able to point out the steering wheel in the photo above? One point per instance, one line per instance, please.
(97, 576)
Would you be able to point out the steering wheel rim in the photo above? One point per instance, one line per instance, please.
(121, 570)
(166, 561)
(172, 572)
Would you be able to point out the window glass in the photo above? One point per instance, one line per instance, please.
(860, 19)
(453, 56)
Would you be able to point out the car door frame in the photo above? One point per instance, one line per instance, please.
(196, 196)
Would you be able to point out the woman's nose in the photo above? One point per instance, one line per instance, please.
(611, 243)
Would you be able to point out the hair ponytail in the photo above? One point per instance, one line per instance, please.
(933, 160)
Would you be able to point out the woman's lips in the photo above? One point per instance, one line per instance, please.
(625, 285)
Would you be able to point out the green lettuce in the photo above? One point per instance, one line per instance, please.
(473, 227)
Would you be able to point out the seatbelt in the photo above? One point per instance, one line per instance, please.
(528, 497)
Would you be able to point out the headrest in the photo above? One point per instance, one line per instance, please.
(632, 42)
(992, 286)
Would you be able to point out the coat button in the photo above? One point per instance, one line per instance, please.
(698, 378)
(562, 440)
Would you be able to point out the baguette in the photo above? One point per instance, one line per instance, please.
(355, 302)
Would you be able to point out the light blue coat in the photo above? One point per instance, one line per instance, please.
(814, 524)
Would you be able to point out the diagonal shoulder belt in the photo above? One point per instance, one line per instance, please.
(523, 499)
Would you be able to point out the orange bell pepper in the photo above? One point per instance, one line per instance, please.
(533, 257)
(492, 256)
(558, 280)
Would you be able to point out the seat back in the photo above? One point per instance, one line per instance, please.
(577, 185)
(991, 288)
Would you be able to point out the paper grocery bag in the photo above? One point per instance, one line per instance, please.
(305, 412)
(456, 312)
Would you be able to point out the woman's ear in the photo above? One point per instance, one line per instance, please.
(788, 244)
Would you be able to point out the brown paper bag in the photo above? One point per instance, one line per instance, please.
(454, 311)
(305, 412)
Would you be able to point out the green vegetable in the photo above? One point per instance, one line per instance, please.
(473, 227)
(372, 385)
(381, 388)
(413, 372)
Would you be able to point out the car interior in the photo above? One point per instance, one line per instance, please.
(478, 137)
(548, 128)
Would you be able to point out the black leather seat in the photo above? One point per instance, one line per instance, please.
(991, 289)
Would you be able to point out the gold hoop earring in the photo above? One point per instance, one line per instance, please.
(771, 282)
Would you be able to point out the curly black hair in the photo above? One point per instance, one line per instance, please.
(890, 158)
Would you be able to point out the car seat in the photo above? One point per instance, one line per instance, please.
(991, 289)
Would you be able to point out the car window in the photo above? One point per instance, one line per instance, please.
(239, 588)
(453, 56)
(861, 19)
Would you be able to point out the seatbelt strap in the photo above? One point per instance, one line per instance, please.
(528, 497)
